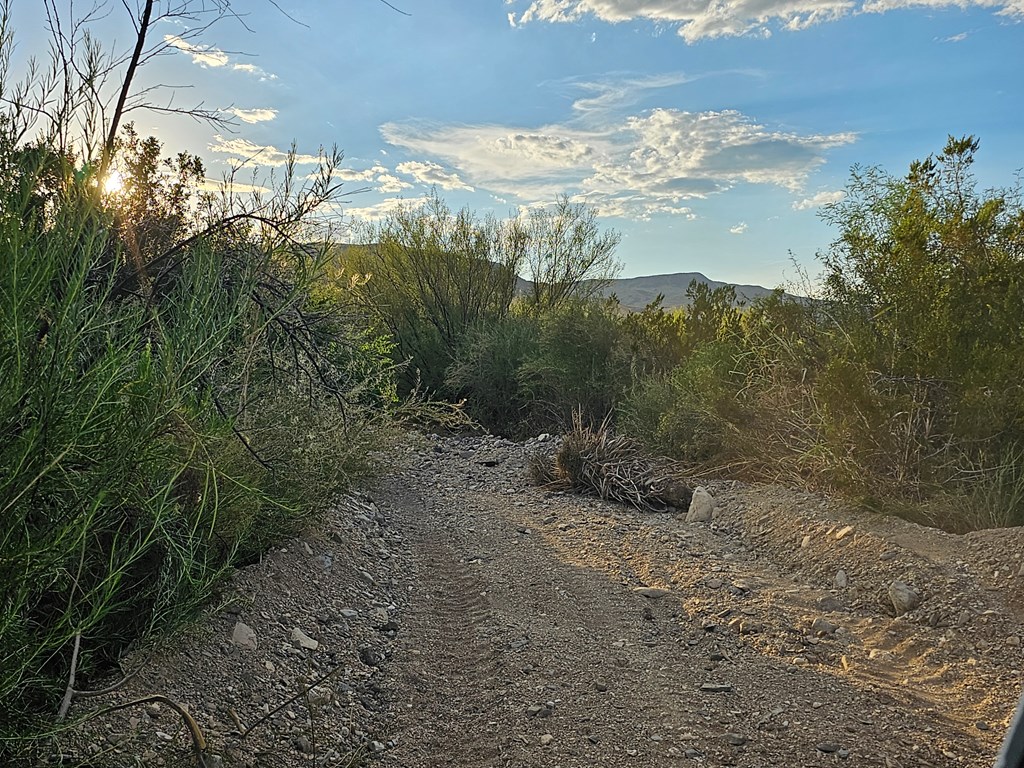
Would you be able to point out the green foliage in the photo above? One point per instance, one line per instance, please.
(169, 404)
(580, 363)
(431, 276)
(564, 252)
(486, 373)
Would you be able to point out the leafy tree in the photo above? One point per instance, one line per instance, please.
(431, 275)
(564, 253)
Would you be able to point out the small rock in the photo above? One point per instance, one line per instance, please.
(844, 532)
(301, 640)
(653, 593)
(842, 581)
(805, 542)
(601, 687)
(823, 626)
(981, 725)
(736, 739)
(243, 636)
(702, 506)
(904, 597)
(886, 556)
(376, 746)
(713, 583)
(546, 739)
(303, 744)
(349, 613)
(827, 747)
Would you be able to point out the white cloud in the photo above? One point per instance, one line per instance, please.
(634, 166)
(252, 69)
(700, 19)
(954, 38)
(378, 211)
(243, 149)
(204, 55)
(432, 174)
(383, 180)
(818, 200)
(208, 56)
(739, 229)
(253, 115)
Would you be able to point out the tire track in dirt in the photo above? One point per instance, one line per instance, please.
(522, 600)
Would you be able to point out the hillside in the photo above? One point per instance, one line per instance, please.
(637, 292)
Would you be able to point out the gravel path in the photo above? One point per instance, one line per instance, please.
(460, 617)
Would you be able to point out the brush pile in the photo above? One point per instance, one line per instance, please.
(593, 460)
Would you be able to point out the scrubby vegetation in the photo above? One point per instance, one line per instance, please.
(186, 378)
(899, 383)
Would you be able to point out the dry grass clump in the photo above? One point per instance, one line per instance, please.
(596, 461)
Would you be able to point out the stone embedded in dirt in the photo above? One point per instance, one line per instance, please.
(736, 739)
(841, 581)
(716, 687)
(653, 593)
(549, 520)
(601, 686)
(702, 506)
(541, 710)
(981, 725)
(844, 532)
(805, 542)
(546, 739)
(303, 744)
(827, 747)
(301, 640)
(379, 617)
(243, 636)
(904, 597)
(823, 626)
(713, 583)
(376, 746)
(890, 555)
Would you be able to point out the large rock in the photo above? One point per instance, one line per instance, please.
(904, 597)
(702, 506)
(243, 636)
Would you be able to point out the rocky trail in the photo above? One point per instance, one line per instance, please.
(456, 616)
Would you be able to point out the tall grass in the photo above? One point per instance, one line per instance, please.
(158, 422)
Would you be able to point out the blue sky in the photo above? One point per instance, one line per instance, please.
(707, 132)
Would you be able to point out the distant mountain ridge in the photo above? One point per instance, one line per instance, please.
(635, 293)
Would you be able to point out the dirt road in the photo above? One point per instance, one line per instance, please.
(459, 617)
(529, 638)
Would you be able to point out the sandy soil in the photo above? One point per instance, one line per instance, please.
(463, 618)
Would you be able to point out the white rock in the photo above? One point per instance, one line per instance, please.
(842, 581)
(702, 506)
(243, 636)
(301, 640)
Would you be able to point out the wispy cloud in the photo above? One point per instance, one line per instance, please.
(954, 38)
(204, 55)
(432, 174)
(739, 229)
(208, 56)
(252, 69)
(377, 176)
(253, 115)
(245, 150)
(818, 200)
(700, 19)
(633, 165)
(376, 212)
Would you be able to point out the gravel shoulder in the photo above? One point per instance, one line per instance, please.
(463, 618)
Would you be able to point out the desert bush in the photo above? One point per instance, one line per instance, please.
(591, 458)
(165, 412)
